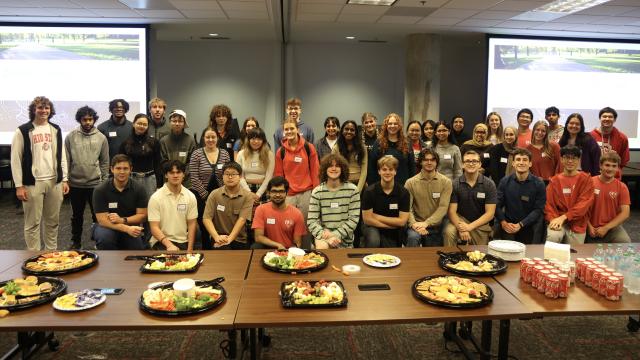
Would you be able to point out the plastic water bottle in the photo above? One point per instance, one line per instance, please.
(617, 257)
(634, 278)
(624, 264)
(599, 253)
(608, 256)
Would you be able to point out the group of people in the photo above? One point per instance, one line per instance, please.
(148, 183)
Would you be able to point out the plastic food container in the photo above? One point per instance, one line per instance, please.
(507, 249)
(185, 287)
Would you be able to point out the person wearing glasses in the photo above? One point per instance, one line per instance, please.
(227, 210)
(480, 144)
(277, 224)
(472, 205)
(569, 198)
(430, 193)
(521, 199)
(118, 128)
(450, 164)
(178, 145)
(293, 110)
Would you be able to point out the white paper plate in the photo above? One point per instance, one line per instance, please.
(507, 249)
(394, 261)
(102, 299)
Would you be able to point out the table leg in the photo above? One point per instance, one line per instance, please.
(633, 325)
(450, 334)
(253, 348)
(503, 343)
(233, 344)
(486, 340)
(30, 342)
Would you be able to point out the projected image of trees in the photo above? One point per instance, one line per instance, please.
(552, 58)
(44, 46)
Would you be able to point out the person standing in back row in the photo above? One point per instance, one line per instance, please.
(118, 128)
(293, 110)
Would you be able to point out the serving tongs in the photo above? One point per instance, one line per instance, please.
(459, 256)
(212, 282)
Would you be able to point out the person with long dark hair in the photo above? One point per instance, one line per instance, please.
(450, 164)
(144, 153)
(428, 132)
(392, 141)
(414, 132)
(350, 146)
(257, 162)
(502, 155)
(574, 134)
(369, 130)
(457, 129)
(221, 119)
(249, 123)
(325, 145)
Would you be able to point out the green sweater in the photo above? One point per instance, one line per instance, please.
(337, 211)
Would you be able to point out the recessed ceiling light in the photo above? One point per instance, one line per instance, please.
(371, 2)
(213, 34)
(350, 37)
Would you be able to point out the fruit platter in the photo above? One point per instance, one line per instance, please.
(311, 294)
(183, 297)
(295, 261)
(172, 263)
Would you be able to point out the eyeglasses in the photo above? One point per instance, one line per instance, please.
(231, 174)
(471, 162)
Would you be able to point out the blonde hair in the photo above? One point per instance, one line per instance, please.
(388, 161)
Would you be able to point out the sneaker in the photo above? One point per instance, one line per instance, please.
(75, 246)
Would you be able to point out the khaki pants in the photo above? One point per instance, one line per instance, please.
(565, 235)
(479, 236)
(301, 201)
(616, 235)
(43, 198)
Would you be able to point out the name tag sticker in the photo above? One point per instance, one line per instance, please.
(596, 191)
(182, 207)
(566, 190)
(524, 198)
(229, 145)
(544, 154)
(113, 134)
(334, 205)
(220, 207)
(436, 195)
(219, 166)
(113, 205)
(503, 160)
(254, 164)
(297, 159)
(271, 221)
(447, 156)
(599, 143)
(182, 153)
(486, 155)
(481, 195)
(393, 206)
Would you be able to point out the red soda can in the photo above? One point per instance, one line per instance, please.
(581, 270)
(602, 283)
(563, 288)
(572, 272)
(534, 275)
(541, 281)
(621, 278)
(552, 285)
(549, 267)
(537, 260)
(523, 267)
(543, 263)
(526, 271)
(613, 288)
(588, 274)
(595, 279)
(555, 271)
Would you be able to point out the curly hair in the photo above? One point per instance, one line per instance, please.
(40, 101)
(114, 103)
(86, 111)
(221, 110)
(329, 160)
(383, 138)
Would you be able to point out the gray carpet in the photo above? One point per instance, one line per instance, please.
(552, 338)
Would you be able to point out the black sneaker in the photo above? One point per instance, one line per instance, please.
(75, 246)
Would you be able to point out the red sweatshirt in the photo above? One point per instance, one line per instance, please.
(296, 167)
(571, 196)
(618, 143)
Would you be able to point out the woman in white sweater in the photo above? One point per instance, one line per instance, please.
(257, 161)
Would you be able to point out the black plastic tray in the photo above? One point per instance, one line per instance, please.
(485, 301)
(499, 265)
(89, 254)
(287, 301)
(59, 286)
(298, 271)
(152, 258)
(169, 285)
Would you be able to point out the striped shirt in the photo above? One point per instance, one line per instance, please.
(201, 169)
(337, 211)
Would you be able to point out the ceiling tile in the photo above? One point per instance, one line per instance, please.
(513, 24)
(26, 12)
(365, 9)
(256, 6)
(358, 18)
(248, 15)
(410, 11)
(495, 15)
(436, 20)
(203, 14)
(316, 17)
(618, 20)
(479, 23)
(623, 2)
(98, 4)
(418, 3)
(634, 13)
(54, 3)
(148, 5)
(453, 13)
(340, 2)
(309, 8)
(399, 19)
(606, 10)
(161, 14)
(580, 19)
(512, 5)
(116, 13)
(74, 12)
(195, 5)
(553, 26)
(471, 4)
(16, 3)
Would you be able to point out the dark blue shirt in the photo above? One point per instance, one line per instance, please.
(521, 201)
(472, 200)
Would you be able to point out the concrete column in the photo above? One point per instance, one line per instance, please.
(422, 77)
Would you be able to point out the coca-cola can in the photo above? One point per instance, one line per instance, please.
(581, 270)
(555, 271)
(621, 278)
(563, 288)
(543, 263)
(588, 274)
(534, 275)
(552, 286)
(541, 281)
(537, 260)
(613, 288)
(523, 267)
(528, 272)
(549, 267)
(602, 283)
(595, 279)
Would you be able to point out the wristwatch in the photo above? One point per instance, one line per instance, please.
(126, 221)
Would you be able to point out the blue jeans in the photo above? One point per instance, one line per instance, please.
(108, 239)
(374, 238)
(416, 240)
